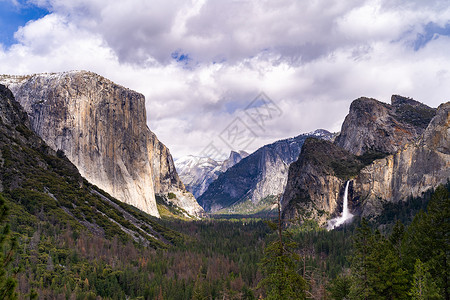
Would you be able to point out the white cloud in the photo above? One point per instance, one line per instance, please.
(311, 57)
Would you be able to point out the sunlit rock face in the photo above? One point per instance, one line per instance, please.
(410, 171)
(412, 139)
(101, 127)
(377, 126)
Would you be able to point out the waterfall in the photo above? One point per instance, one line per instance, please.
(345, 216)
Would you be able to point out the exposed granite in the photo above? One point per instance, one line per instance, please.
(377, 126)
(101, 127)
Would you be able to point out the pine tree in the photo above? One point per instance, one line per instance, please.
(428, 239)
(361, 262)
(423, 286)
(7, 282)
(376, 267)
(396, 238)
(280, 264)
(340, 287)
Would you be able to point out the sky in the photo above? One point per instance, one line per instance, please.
(235, 75)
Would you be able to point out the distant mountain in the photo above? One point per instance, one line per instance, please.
(250, 185)
(197, 172)
(388, 152)
(102, 129)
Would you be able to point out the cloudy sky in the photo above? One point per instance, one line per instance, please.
(201, 64)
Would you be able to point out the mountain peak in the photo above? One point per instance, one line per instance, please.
(198, 172)
(372, 125)
(102, 129)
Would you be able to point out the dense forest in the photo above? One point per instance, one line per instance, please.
(405, 258)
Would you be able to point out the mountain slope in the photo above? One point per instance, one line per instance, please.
(260, 175)
(392, 152)
(101, 127)
(42, 185)
(197, 173)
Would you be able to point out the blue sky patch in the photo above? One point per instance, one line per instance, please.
(432, 31)
(180, 57)
(12, 16)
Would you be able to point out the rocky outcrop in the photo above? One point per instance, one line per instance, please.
(411, 171)
(234, 158)
(41, 184)
(316, 181)
(101, 127)
(376, 126)
(418, 160)
(260, 175)
(197, 172)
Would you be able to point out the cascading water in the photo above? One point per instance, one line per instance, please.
(346, 215)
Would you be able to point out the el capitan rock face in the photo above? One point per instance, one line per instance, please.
(388, 152)
(101, 127)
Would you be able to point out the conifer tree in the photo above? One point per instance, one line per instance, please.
(376, 267)
(423, 286)
(361, 262)
(7, 246)
(280, 265)
(340, 287)
(428, 239)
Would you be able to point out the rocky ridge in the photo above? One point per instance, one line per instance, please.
(316, 180)
(412, 170)
(101, 127)
(372, 125)
(389, 152)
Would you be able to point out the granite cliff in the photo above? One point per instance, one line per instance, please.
(43, 189)
(260, 176)
(388, 152)
(101, 127)
(316, 181)
(412, 170)
(376, 126)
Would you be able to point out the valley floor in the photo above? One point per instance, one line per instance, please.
(221, 258)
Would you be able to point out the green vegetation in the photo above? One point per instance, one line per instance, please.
(221, 258)
(370, 155)
(263, 208)
(167, 209)
(7, 248)
(67, 239)
(400, 265)
(280, 263)
(417, 115)
(346, 168)
(331, 159)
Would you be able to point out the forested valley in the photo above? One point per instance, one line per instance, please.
(405, 258)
